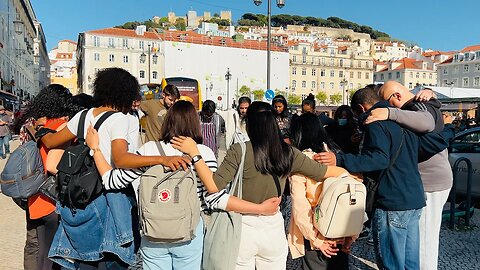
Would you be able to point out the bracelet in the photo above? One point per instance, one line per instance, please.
(94, 150)
(196, 158)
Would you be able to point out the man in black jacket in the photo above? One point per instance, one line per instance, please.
(400, 195)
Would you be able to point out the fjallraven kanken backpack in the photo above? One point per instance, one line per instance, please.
(168, 203)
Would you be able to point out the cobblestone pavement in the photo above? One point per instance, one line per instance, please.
(459, 249)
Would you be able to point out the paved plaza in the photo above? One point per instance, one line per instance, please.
(459, 249)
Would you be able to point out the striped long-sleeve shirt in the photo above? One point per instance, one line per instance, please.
(120, 178)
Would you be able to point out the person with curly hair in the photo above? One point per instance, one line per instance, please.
(51, 108)
(113, 214)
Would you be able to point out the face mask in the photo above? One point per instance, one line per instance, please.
(342, 122)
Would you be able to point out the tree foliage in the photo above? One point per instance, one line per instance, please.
(294, 99)
(251, 19)
(336, 98)
(221, 22)
(180, 24)
(322, 97)
(245, 91)
(258, 94)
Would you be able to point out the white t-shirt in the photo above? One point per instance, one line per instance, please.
(115, 127)
(133, 133)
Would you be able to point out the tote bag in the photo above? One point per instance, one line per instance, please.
(222, 239)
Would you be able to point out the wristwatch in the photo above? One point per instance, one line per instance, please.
(196, 158)
(94, 150)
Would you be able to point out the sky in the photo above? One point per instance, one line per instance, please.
(432, 24)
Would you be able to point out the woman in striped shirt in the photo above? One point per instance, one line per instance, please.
(180, 120)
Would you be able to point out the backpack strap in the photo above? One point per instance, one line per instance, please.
(238, 179)
(81, 126)
(160, 148)
(81, 123)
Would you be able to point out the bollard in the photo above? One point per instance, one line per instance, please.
(453, 193)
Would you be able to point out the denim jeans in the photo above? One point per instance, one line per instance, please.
(4, 141)
(181, 256)
(396, 238)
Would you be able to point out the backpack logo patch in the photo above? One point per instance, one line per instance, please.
(164, 195)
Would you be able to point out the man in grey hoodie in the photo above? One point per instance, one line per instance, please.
(435, 171)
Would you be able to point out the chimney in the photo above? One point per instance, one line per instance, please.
(140, 30)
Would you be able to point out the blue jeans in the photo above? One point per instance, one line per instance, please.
(181, 256)
(4, 141)
(396, 239)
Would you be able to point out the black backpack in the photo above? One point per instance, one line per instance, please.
(79, 182)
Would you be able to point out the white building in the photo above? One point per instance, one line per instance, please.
(183, 54)
(387, 51)
(113, 47)
(211, 29)
(461, 70)
(24, 61)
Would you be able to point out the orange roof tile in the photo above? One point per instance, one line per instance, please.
(122, 33)
(449, 60)
(471, 48)
(189, 37)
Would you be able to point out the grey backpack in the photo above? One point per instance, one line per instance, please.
(168, 203)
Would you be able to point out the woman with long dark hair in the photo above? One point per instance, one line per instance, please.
(305, 242)
(268, 162)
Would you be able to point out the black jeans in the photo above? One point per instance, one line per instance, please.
(30, 251)
(315, 260)
(46, 228)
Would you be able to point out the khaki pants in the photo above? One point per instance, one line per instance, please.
(263, 245)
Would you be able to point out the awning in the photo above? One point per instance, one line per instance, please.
(459, 106)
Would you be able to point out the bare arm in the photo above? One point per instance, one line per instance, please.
(123, 159)
(55, 140)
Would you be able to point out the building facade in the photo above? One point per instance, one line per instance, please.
(23, 56)
(328, 68)
(63, 65)
(182, 54)
(407, 71)
(113, 47)
(387, 51)
(461, 70)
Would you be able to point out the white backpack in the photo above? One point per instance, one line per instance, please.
(168, 204)
(341, 207)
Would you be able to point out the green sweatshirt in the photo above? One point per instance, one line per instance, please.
(258, 187)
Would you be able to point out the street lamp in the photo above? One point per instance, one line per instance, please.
(344, 82)
(143, 57)
(280, 4)
(228, 77)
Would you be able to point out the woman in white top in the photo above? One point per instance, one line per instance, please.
(180, 120)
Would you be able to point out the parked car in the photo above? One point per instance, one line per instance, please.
(467, 144)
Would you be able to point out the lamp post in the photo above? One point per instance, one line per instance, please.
(344, 82)
(280, 4)
(228, 77)
(155, 59)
